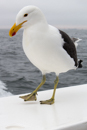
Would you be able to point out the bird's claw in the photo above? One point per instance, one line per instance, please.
(29, 97)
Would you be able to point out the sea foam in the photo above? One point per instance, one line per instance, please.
(3, 90)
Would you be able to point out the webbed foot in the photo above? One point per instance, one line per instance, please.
(49, 102)
(29, 97)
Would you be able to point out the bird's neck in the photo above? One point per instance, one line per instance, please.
(32, 32)
(35, 29)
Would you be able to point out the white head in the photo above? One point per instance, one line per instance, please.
(27, 16)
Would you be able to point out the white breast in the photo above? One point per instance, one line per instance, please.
(44, 50)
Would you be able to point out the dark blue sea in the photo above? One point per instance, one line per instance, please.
(18, 75)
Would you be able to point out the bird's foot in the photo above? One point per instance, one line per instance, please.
(29, 97)
(49, 102)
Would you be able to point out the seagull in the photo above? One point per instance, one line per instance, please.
(49, 49)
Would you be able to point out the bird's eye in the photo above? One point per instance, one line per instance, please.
(25, 15)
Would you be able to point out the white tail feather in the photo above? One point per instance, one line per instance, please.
(76, 40)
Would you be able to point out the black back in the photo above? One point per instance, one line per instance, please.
(69, 46)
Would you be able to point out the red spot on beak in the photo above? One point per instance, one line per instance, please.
(13, 33)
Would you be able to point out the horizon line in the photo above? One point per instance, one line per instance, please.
(57, 26)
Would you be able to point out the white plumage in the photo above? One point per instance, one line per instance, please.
(49, 49)
(42, 43)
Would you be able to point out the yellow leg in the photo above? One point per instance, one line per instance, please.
(32, 96)
(51, 101)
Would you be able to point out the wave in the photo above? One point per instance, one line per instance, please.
(3, 90)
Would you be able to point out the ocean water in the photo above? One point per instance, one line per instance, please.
(18, 75)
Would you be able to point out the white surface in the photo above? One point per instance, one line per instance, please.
(68, 113)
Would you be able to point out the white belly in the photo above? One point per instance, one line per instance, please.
(47, 55)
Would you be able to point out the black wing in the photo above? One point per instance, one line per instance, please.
(69, 46)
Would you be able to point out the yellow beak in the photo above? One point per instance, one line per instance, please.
(15, 28)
